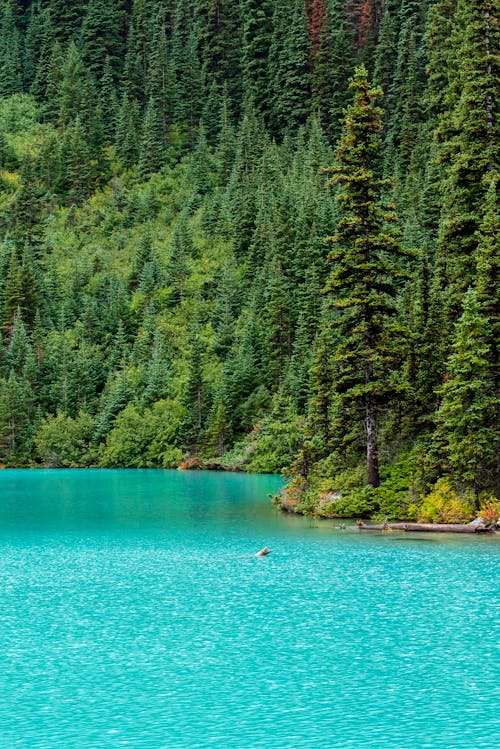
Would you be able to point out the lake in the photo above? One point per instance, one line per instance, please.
(133, 615)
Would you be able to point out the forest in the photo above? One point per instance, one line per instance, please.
(255, 235)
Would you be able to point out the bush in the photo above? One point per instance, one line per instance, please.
(490, 509)
(63, 442)
(277, 443)
(144, 439)
(359, 502)
(443, 505)
(398, 495)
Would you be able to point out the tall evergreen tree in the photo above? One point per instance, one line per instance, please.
(468, 415)
(151, 147)
(257, 28)
(290, 73)
(362, 285)
(11, 52)
(102, 36)
(470, 151)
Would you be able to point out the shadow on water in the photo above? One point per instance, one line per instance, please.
(419, 540)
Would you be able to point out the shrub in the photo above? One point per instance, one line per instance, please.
(359, 502)
(276, 444)
(192, 464)
(398, 494)
(144, 439)
(490, 510)
(63, 442)
(443, 505)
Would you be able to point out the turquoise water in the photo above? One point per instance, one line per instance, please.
(132, 615)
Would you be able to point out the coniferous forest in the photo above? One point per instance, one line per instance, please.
(261, 233)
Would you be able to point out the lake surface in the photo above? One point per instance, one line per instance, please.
(132, 615)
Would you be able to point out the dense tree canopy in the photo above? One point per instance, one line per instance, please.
(213, 243)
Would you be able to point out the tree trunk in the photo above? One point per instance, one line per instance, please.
(371, 445)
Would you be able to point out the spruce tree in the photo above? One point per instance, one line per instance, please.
(161, 86)
(108, 101)
(11, 292)
(332, 68)
(151, 147)
(468, 433)
(15, 430)
(102, 36)
(362, 284)
(40, 38)
(290, 74)
(257, 29)
(52, 84)
(11, 52)
(468, 415)
(71, 92)
(127, 132)
(470, 148)
(67, 17)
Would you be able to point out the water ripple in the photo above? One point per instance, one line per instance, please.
(165, 636)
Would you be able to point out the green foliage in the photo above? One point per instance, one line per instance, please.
(144, 439)
(65, 442)
(363, 282)
(358, 503)
(276, 441)
(163, 211)
(398, 495)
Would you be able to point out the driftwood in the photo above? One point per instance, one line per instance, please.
(426, 527)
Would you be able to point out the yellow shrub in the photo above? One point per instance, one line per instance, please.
(443, 505)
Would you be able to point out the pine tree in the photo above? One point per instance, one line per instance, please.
(219, 37)
(19, 346)
(318, 433)
(218, 432)
(151, 148)
(470, 151)
(66, 17)
(71, 93)
(11, 292)
(11, 52)
(290, 75)
(187, 69)
(116, 394)
(51, 84)
(225, 312)
(127, 132)
(278, 323)
(333, 64)
(39, 41)
(108, 101)
(132, 79)
(468, 415)
(240, 196)
(202, 166)
(178, 266)
(102, 36)
(194, 395)
(362, 284)
(161, 86)
(158, 374)
(15, 432)
(26, 207)
(77, 173)
(257, 27)
(468, 435)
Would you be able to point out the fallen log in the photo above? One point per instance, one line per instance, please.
(426, 527)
